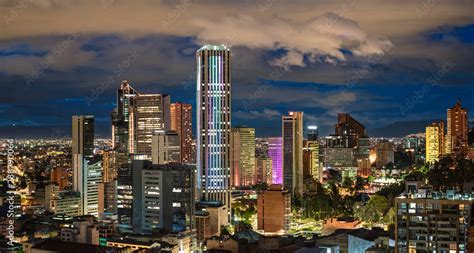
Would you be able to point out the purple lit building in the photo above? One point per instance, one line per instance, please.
(275, 152)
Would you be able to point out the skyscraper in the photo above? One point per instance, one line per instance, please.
(121, 118)
(181, 122)
(214, 123)
(150, 116)
(275, 152)
(243, 156)
(85, 170)
(458, 128)
(165, 147)
(292, 132)
(349, 129)
(434, 141)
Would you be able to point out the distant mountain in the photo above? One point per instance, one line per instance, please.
(400, 129)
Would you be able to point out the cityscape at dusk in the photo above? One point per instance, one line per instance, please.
(236, 126)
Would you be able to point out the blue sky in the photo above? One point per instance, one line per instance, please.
(383, 64)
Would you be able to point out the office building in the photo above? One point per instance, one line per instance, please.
(434, 141)
(458, 128)
(263, 170)
(59, 176)
(292, 134)
(121, 118)
(181, 121)
(214, 124)
(274, 210)
(124, 198)
(86, 171)
(150, 116)
(155, 197)
(275, 152)
(429, 221)
(385, 154)
(311, 164)
(166, 147)
(152, 198)
(313, 133)
(349, 129)
(108, 164)
(243, 156)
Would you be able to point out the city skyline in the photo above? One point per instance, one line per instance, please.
(236, 126)
(378, 72)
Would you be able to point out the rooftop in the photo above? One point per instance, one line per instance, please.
(213, 47)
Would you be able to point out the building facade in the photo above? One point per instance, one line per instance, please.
(275, 152)
(458, 129)
(214, 123)
(292, 135)
(274, 210)
(432, 222)
(434, 141)
(150, 116)
(182, 122)
(243, 156)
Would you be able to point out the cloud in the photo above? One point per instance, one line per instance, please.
(320, 37)
(266, 113)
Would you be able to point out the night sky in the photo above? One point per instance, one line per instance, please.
(381, 61)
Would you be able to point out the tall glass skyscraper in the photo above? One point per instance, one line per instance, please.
(275, 152)
(292, 132)
(85, 173)
(213, 123)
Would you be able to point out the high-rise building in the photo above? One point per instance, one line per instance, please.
(121, 132)
(313, 133)
(458, 128)
(292, 132)
(91, 201)
(150, 116)
(275, 152)
(433, 222)
(243, 156)
(125, 198)
(385, 153)
(311, 164)
(152, 198)
(434, 141)
(84, 171)
(349, 129)
(274, 209)
(263, 170)
(181, 121)
(108, 163)
(166, 147)
(214, 123)
(158, 196)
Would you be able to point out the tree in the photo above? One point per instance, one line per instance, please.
(372, 212)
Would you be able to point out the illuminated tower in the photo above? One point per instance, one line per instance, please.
(243, 156)
(434, 141)
(275, 152)
(214, 123)
(292, 126)
(311, 155)
(121, 118)
(87, 173)
(458, 128)
(349, 129)
(181, 122)
(150, 117)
